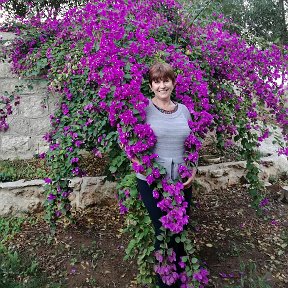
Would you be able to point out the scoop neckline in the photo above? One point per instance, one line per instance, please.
(169, 115)
(167, 111)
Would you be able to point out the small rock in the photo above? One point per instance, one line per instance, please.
(243, 180)
(268, 277)
(285, 224)
(240, 165)
(284, 196)
(267, 163)
(217, 173)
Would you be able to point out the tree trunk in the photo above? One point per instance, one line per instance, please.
(284, 31)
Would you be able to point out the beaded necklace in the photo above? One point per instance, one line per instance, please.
(166, 111)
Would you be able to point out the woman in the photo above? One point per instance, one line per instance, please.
(169, 121)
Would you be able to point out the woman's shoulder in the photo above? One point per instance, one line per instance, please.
(182, 106)
(184, 110)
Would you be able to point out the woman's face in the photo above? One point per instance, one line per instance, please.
(162, 88)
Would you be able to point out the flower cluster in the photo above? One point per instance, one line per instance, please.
(166, 267)
(6, 109)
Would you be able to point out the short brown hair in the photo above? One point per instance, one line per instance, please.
(161, 71)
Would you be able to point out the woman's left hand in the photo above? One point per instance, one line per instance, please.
(189, 181)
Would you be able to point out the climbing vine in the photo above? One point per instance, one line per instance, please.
(97, 57)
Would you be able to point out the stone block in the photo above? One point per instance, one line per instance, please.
(39, 126)
(268, 146)
(7, 36)
(37, 145)
(51, 102)
(14, 144)
(18, 126)
(24, 196)
(39, 86)
(219, 172)
(201, 172)
(32, 107)
(75, 195)
(94, 191)
(276, 164)
(21, 184)
(5, 71)
(21, 196)
(238, 165)
(9, 85)
(284, 195)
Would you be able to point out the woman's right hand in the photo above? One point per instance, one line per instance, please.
(121, 146)
(133, 160)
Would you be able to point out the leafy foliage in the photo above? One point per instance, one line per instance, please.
(264, 18)
(50, 8)
(139, 227)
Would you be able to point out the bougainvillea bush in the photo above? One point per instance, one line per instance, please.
(97, 57)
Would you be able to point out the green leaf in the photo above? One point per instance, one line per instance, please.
(160, 237)
(112, 169)
(184, 259)
(194, 260)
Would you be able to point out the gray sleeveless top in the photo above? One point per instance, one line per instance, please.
(171, 131)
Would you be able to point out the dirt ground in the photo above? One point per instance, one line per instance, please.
(228, 236)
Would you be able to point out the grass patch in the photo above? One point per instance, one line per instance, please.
(9, 227)
(18, 269)
(36, 168)
(250, 277)
(13, 170)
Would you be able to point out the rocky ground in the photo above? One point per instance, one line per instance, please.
(235, 243)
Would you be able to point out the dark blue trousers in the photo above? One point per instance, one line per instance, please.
(155, 214)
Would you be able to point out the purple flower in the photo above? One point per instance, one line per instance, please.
(155, 194)
(42, 155)
(264, 202)
(88, 122)
(138, 168)
(51, 197)
(182, 264)
(65, 194)
(76, 171)
(70, 149)
(48, 180)
(201, 276)
(74, 160)
(159, 256)
(150, 179)
(73, 271)
(123, 208)
(274, 222)
(58, 213)
(78, 143)
(65, 109)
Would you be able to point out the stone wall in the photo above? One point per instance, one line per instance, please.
(30, 119)
(27, 196)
